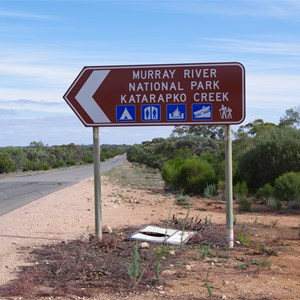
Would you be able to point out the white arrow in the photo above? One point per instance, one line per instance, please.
(86, 100)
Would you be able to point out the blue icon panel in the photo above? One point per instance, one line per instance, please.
(126, 113)
(151, 113)
(201, 112)
(176, 112)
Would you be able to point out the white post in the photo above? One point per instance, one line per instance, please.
(97, 184)
(228, 183)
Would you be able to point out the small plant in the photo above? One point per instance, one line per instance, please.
(208, 285)
(244, 239)
(157, 270)
(265, 192)
(210, 190)
(263, 263)
(208, 220)
(241, 194)
(241, 266)
(267, 250)
(241, 190)
(274, 203)
(205, 251)
(160, 252)
(244, 204)
(234, 218)
(183, 200)
(134, 266)
(272, 224)
(184, 226)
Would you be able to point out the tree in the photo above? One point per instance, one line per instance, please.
(276, 151)
(208, 131)
(291, 117)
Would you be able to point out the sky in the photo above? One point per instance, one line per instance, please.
(45, 44)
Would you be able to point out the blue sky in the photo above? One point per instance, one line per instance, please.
(45, 44)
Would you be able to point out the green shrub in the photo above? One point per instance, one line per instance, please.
(6, 164)
(43, 166)
(241, 193)
(276, 152)
(241, 190)
(244, 204)
(170, 174)
(183, 200)
(71, 162)
(210, 190)
(274, 203)
(59, 164)
(189, 176)
(287, 187)
(265, 192)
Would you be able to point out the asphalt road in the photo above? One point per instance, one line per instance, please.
(18, 191)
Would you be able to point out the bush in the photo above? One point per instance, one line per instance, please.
(244, 204)
(210, 190)
(265, 192)
(287, 187)
(241, 194)
(189, 176)
(276, 152)
(6, 164)
(241, 190)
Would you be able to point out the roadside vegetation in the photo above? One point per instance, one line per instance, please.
(266, 161)
(38, 156)
(118, 268)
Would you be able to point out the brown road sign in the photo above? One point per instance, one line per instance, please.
(141, 95)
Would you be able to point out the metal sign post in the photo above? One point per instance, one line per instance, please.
(97, 184)
(228, 182)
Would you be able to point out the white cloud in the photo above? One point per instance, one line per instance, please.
(254, 8)
(260, 47)
(24, 15)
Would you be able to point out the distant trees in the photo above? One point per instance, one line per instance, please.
(38, 156)
(266, 158)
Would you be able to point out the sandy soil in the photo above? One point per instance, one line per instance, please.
(69, 214)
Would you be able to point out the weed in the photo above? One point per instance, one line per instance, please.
(244, 204)
(272, 224)
(234, 218)
(134, 266)
(269, 250)
(161, 251)
(274, 203)
(183, 200)
(263, 263)
(244, 239)
(183, 227)
(262, 249)
(223, 254)
(205, 251)
(157, 270)
(193, 223)
(208, 285)
(208, 220)
(210, 190)
(241, 266)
